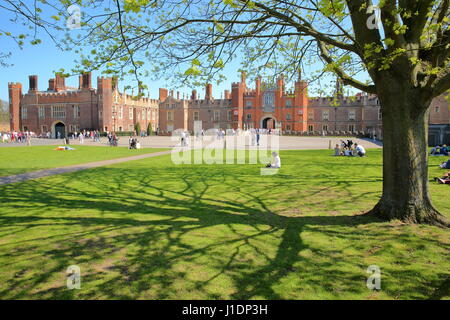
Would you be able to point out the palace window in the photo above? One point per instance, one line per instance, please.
(288, 103)
(229, 115)
(24, 113)
(144, 114)
(310, 128)
(288, 116)
(196, 116)
(169, 116)
(310, 115)
(269, 101)
(325, 128)
(76, 111)
(288, 127)
(42, 112)
(120, 112)
(351, 127)
(351, 115)
(58, 112)
(130, 113)
(43, 129)
(436, 109)
(216, 115)
(149, 112)
(248, 104)
(325, 115)
(249, 116)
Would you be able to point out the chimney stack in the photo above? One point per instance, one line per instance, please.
(194, 95)
(51, 85)
(60, 82)
(33, 83)
(208, 94)
(162, 94)
(227, 94)
(86, 81)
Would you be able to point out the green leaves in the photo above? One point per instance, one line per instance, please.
(192, 71)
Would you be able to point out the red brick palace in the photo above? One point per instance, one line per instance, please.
(64, 109)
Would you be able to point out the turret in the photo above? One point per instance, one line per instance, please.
(15, 96)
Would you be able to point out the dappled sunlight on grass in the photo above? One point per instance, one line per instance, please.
(16, 160)
(151, 229)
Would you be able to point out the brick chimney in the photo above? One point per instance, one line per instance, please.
(33, 80)
(60, 82)
(51, 85)
(162, 94)
(85, 81)
(194, 95)
(208, 94)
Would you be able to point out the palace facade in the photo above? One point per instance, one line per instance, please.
(64, 109)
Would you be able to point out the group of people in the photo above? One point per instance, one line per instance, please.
(133, 143)
(113, 140)
(18, 137)
(440, 150)
(219, 134)
(349, 149)
(94, 135)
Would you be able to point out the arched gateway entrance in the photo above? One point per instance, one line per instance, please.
(268, 123)
(61, 129)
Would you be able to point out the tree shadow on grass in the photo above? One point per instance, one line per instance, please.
(173, 233)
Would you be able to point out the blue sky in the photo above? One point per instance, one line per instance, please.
(44, 59)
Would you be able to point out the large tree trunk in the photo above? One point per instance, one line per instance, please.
(405, 160)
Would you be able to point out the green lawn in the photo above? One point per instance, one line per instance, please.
(15, 160)
(149, 229)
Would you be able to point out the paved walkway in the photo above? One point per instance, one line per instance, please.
(286, 142)
(50, 172)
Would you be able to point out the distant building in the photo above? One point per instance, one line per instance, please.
(65, 110)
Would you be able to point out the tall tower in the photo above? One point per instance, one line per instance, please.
(15, 96)
(301, 103)
(104, 90)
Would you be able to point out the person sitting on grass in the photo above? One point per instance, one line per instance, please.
(348, 152)
(445, 150)
(435, 151)
(445, 178)
(445, 165)
(337, 150)
(360, 150)
(276, 163)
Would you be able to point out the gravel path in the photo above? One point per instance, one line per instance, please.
(50, 172)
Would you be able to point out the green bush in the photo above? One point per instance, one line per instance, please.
(137, 128)
(149, 130)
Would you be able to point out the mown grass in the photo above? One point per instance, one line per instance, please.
(150, 229)
(16, 160)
